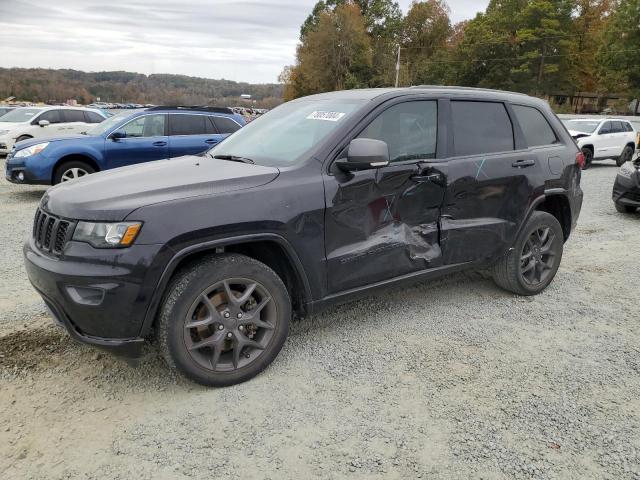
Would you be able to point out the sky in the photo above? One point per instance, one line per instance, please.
(242, 40)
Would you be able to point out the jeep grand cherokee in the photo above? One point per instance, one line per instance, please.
(321, 200)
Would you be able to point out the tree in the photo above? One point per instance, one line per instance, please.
(619, 55)
(425, 34)
(334, 55)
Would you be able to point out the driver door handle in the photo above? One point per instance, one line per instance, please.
(211, 141)
(523, 163)
(159, 144)
(419, 178)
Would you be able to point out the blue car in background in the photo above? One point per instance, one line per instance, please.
(125, 139)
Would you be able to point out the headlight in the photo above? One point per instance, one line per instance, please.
(32, 150)
(107, 235)
(627, 170)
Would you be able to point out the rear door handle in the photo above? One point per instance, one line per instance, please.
(211, 141)
(159, 144)
(523, 163)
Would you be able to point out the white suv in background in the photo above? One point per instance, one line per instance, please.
(42, 122)
(600, 139)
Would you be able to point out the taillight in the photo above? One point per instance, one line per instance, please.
(580, 160)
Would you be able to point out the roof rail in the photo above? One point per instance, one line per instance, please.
(454, 87)
(199, 108)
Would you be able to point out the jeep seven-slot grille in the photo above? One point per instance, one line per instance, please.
(50, 232)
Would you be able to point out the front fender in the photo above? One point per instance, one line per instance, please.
(212, 246)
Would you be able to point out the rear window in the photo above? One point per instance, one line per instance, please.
(481, 127)
(535, 127)
(182, 124)
(225, 125)
(92, 117)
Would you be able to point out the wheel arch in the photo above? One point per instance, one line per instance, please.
(75, 157)
(270, 249)
(556, 204)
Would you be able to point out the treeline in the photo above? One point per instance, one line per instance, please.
(539, 47)
(54, 86)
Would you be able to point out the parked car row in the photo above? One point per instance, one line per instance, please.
(124, 139)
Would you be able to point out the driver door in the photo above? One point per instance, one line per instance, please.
(145, 140)
(383, 223)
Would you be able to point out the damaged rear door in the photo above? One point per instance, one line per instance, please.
(383, 223)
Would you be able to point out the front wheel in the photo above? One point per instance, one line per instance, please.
(588, 157)
(530, 266)
(224, 320)
(71, 171)
(21, 138)
(627, 155)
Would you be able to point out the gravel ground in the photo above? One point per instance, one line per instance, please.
(446, 380)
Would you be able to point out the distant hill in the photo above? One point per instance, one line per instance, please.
(55, 86)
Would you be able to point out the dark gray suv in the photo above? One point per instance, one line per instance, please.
(321, 200)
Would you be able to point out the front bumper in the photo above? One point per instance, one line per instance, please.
(14, 167)
(100, 296)
(626, 191)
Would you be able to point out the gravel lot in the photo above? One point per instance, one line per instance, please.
(452, 379)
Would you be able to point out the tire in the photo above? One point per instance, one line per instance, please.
(207, 341)
(71, 171)
(23, 137)
(627, 155)
(625, 208)
(588, 157)
(514, 273)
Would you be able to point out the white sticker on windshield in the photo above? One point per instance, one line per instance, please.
(328, 116)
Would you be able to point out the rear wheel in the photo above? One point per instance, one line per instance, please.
(627, 155)
(224, 320)
(72, 171)
(588, 157)
(532, 263)
(625, 208)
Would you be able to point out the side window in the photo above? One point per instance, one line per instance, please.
(410, 129)
(617, 127)
(535, 127)
(627, 127)
(92, 117)
(481, 127)
(225, 125)
(606, 128)
(210, 126)
(180, 124)
(73, 116)
(52, 116)
(146, 126)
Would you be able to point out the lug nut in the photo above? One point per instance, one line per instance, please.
(239, 315)
(220, 327)
(226, 315)
(229, 334)
(241, 328)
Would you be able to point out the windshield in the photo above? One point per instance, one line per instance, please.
(20, 115)
(584, 126)
(287, 133)
(108, 124)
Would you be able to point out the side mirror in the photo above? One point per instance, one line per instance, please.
(44, 123)
(118, 135)
(365, 154)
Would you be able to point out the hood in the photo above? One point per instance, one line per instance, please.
(71, 138)
(11, 125)
(577, 134)
(114, 194)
